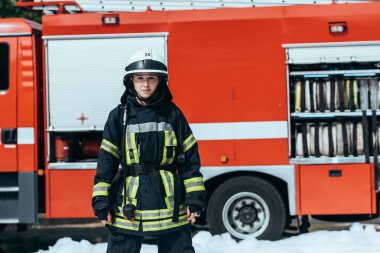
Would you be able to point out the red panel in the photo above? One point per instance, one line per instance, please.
(17, 26)
(26, 116)
(226, 78)
(70, 193)
(262, 152)
(349, 193)
(305, 24)
(8, 152)
(244, 152)
(212, 151)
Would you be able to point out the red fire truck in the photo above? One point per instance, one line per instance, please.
(283, 100)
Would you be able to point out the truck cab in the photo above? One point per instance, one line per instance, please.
(21, 119)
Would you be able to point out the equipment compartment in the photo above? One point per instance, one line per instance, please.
(335, 189)
(334, 105)
(74, 146)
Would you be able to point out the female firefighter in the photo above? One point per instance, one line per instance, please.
(158, 188)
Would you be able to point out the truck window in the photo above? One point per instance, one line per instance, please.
(4, 66)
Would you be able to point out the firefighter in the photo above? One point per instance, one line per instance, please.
(147, 179)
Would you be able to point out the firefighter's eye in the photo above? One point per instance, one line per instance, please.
(152, 78)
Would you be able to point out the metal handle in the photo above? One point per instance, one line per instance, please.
(9, 135)
(335, 173)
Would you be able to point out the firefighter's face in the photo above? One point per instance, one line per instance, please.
(145, 84)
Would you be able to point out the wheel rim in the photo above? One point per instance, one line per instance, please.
(245, 214)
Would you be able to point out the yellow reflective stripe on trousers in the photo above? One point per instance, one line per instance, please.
(164, 224)
(194, 184)
(126, 224)
(110, 148)
(101, 189)
(189, 142)
(131, 152)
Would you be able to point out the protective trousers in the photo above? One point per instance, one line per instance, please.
(175, 242)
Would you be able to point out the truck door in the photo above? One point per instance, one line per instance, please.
(8, 91)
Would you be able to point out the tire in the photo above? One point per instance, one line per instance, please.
(246, 206)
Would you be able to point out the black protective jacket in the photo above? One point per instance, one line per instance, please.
(150, 138)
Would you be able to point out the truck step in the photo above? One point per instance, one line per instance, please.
(9, 221)
(9, 189)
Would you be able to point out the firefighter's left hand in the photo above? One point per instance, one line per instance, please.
(190, 216)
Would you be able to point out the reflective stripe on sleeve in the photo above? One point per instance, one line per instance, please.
(101, 189)
(189, 142)
(110, 148)
(194, 184)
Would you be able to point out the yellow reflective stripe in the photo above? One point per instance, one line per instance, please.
(164, 224)
(126, 224)
(134, 147)
(116, 154)
(188, 139)
(131, 146)
(167, 179)
(100, 193)
(168, 203)
(170, 140)
(164, 156)
(127, 155)
(127, 182)
(189, 142)
(134, 187)
(110, 144)
(195, 188)
(102, 184)
(154, 214)
(193, 180)
(173, 141)
(194, 184)
(131, 186)
(165, 182)
(100, 189)
(167, 138)
(166, 141)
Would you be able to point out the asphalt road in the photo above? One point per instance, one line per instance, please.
(46, 233)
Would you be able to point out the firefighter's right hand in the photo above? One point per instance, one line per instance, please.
(104, 216)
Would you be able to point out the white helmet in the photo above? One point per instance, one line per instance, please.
(146, 60)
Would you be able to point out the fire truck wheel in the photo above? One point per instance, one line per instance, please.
(246, 206)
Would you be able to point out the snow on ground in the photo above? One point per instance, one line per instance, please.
(357, 239)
